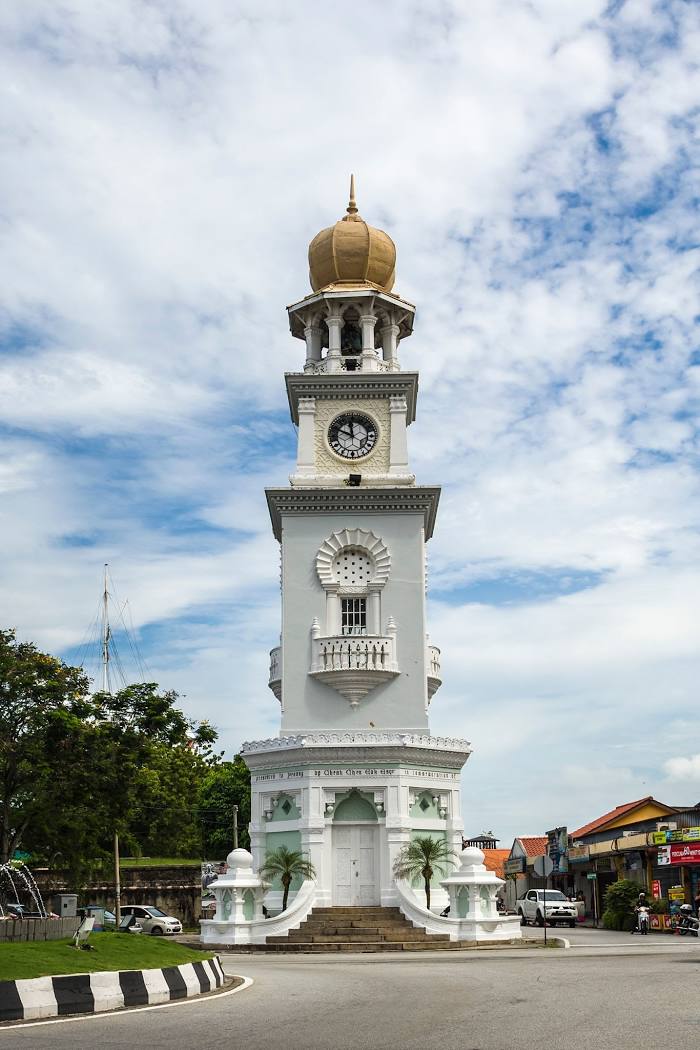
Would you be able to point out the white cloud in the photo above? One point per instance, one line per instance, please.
(165, 168)
(683, 768)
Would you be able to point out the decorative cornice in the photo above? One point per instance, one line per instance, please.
(362, 738)
(419, 499)
(340, 385)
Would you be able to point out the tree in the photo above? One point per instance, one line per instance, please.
(41, 700)
(286, 865)
(74, 768)
(421, 859)
(224, 786)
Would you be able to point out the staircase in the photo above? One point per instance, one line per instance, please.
(362, 929)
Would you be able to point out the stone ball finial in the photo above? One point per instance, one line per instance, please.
(472, 857)
(239, 858)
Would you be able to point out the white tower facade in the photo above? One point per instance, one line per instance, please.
(354, 773)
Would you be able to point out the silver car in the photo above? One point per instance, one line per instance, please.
(153, 920)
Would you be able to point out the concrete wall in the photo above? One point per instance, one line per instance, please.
(176, 890)
(37, 929)
(311, 705)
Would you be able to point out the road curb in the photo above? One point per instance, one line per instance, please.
(91, 993)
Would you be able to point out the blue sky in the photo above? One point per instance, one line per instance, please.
(165, 166)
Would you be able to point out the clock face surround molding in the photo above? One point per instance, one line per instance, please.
(377, 460)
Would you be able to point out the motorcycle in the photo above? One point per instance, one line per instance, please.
(643, 920)
(687, 922)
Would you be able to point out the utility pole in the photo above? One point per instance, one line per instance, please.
(235, 827)
(117, 883)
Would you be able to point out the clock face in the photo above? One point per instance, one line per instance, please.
(352, 435)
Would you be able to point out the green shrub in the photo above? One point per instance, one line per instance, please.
(618, 902)
(615, 920)
(658, 907)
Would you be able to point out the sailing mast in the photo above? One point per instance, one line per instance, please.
(106, 686)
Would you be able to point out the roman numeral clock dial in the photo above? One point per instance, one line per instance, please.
(352, 435)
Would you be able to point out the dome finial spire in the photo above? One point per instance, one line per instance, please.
(352, 205)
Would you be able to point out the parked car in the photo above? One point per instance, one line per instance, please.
(550, 905)
(153, 919)
(108, 918)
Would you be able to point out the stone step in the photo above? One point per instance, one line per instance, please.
(370, 909)
(329, 927)
(361, 929)
(409, 934)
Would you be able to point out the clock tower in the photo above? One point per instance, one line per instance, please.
(354, 773)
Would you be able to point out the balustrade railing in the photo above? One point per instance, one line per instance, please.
(354, 653)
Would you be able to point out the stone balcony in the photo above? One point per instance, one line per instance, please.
(354, 664)
(434, 675)
(275, 681)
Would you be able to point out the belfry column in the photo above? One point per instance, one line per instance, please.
(333, 357)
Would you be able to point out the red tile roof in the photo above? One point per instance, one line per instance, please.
(614, 814)
(534, 845)
(494, 859)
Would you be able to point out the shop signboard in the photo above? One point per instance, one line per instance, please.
(685, 852)
(680, 853)
(579, 854)
(656, 889)
(557, 847)
(514, 866)
(683, 835)
(660, 838)
(676, 893)
(592, 875)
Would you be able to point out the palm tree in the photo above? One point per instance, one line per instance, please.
(421, 858)
(285, 864)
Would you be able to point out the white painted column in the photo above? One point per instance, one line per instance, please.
(312, 335)
(374, 619)
(333, 357)
(306, 452)
(398, 444)
(390, 342)
(333, 625)
(370, 361)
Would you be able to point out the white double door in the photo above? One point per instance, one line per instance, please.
(355, 864)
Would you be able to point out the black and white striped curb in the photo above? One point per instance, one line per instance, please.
(91, 993)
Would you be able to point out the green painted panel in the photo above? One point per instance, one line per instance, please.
(463, 902)
(290, 839)
(356, 806)
(425, 807)
(248, 904)
(286, 809)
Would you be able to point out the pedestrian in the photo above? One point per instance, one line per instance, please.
(696, 900)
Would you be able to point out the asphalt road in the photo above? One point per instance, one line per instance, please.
(608, 991)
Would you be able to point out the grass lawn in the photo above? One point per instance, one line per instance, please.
(113, 951)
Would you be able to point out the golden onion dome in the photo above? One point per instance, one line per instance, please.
(352, 254)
